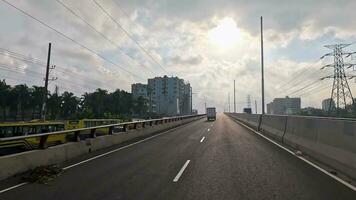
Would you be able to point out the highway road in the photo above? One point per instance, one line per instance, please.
(202, 160)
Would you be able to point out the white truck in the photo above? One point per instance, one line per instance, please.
(211, 113)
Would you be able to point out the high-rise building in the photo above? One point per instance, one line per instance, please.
(284, 106)
(167, 96)
(139, 89)
(325, 104)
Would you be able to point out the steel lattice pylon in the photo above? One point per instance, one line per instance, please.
(341, 93)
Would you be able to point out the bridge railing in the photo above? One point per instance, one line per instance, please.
(77, 133)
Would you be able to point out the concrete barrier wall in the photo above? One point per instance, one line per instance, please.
(252, 120)
(273, 126)
(331, 141)
(17, 163)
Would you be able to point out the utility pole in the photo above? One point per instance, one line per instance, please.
(262, 70)
(234, 99)
(191, 100)
(255, 106)
(43, 113)
(205, 103)
(228, 100)
(340, 92)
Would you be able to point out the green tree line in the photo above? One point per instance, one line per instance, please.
(21, 102)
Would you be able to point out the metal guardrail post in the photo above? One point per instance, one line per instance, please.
(143, 124)
(151, 123)
(124, 127)
(92, 133)
(43, 141)
(77, 136)
(110, 130)
(135, 125)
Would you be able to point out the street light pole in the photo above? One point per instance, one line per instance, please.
(262, 70)
(234, 98)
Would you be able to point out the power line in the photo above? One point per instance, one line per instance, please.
(37, 75)
(319, 88)
(101, 34)
(69, 38)
(311, 88)
(301, 81)
(40, 63)
(300, 89)
(302, 72)
(128, 34)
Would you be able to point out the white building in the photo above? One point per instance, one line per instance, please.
(284, 106)
(167, 96)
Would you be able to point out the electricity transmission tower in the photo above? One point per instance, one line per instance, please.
(248, 101)
(341, 93)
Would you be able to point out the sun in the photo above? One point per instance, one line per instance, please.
(226, 34)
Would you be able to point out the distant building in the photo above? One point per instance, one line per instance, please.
(139, 89)
(194, 112)
(167, 96)
(325, 104)
(284, 106)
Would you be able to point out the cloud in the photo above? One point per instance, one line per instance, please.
(191, 60)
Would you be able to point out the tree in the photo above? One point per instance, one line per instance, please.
(140, 106)
(36, 100)
(54, 104)
(4, 97)
(70, 105)
(21, 95)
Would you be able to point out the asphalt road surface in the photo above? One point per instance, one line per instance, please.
(202, 160)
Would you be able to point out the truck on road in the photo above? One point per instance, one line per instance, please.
(211, 113)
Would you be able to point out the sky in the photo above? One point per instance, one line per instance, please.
(113, 43)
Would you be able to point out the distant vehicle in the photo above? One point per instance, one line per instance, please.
(87, 123)
(11, 129)
(211, 113)
(248, 110)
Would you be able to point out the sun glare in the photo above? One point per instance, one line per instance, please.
(225, 34)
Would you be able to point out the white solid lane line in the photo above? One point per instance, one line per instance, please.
(301, 158)
(13, 187)
(181, 171)
(202, 139)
